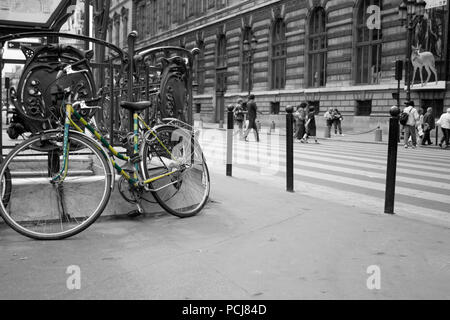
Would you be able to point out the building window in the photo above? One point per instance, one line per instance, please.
(168, 14)
(221, 4)
(274, 107)
(110, 36)
(204, 6)
(154, 21)
(363, 108)
(183, 11)
(198, 108)
(175, 9)
(221, 64)
(124, 26)
(316, 105)
(191, 7)
(368, 45)
(317, 49)
(221, 58)
(141, 19)
(278, 78)
(247, 67)
(116, 30)
(160, 19)
(200, 67)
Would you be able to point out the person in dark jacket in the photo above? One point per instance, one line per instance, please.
(239, 116)
(300, 119)
(311, 125)
(428, 126)
(337, 121)
(252, 110)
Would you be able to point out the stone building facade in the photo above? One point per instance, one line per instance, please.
(330, 53)
(120, 22)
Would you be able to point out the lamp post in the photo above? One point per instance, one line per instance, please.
(411, 12)
(250, 48)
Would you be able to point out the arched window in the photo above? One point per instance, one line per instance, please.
(141, 19)
(200, 68)
(221, 63)
(317, 48)
(124, 13)
(153, 23)
(278, 57)
(116, 29)
(247, 57)
(110, 36)
(221, 54)
(368, 43)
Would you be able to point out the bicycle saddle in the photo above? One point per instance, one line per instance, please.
(135, 106)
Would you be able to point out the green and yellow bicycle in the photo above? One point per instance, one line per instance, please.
(60, 181)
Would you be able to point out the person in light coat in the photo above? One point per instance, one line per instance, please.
(410, 127)
(444, 123)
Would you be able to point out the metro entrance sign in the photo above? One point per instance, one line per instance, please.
(19, 45)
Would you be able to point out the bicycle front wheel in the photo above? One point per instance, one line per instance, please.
(5, 187)
(43, 209)
(185, 192)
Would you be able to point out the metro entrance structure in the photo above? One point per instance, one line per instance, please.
(114, 74)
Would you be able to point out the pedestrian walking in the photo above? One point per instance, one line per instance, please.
(252, 109)
(444, 123)
(410, 126)
(428, 126)
(311, 125)
(300, 119)
(420, 124)
(239, 116)
(329, 121)
(337, 121)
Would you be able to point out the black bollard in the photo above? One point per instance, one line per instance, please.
(437, 135)
(289, 149)
(230, 129)
(392, 160)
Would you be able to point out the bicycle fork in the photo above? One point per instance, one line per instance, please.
(135, 158)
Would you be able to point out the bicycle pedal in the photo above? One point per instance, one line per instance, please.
(134, 214)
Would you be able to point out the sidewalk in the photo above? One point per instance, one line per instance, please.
(252, 241)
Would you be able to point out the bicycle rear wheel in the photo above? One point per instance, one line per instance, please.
(185, 192)
(42, 209)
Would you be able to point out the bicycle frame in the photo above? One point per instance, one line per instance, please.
(135, 180)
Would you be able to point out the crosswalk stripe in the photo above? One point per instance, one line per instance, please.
(300, 172)
(380, 149)
(415, 181)
(352, 161)
(346, 148)
(422, 181)
(418, 154)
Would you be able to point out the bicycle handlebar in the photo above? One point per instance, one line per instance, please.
(67, 70)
